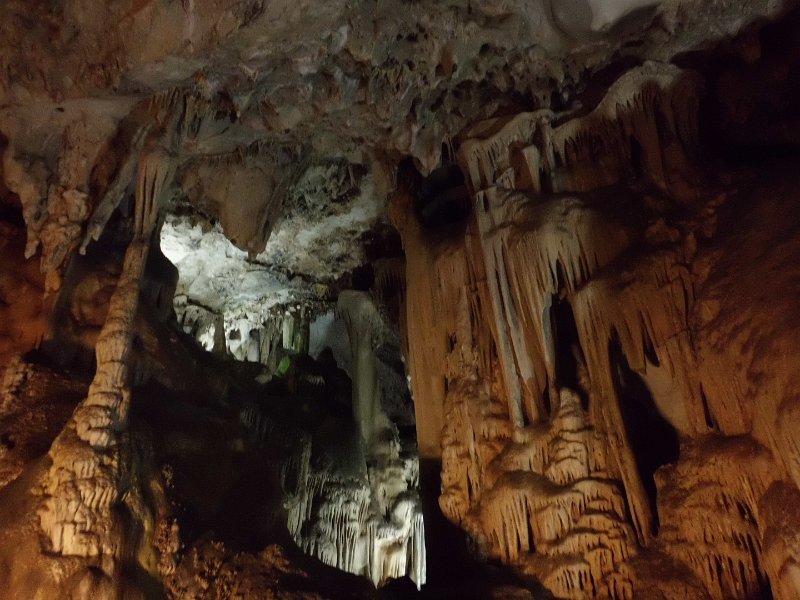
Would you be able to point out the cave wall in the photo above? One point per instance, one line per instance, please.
(599, 323)
(586, 357)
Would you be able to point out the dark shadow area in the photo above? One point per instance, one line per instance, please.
(10, 205)
(453, 572)
(604, 78)
(710, 421)
(442, 198)
(11, 214)
(567, 348)
(653, 439)
(225, 487)
(749, 117)
(637, 168)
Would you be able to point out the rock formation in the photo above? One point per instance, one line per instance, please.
(575, 401)
(90, 473)
(359, 509)
(391, 299)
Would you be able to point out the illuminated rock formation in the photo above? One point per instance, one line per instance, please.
(363, 328)
(358, 506)
(576, 411)
(90, 472)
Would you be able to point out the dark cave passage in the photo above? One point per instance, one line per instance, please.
(654, 441)
(567, 351)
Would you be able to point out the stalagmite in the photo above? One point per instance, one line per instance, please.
(90, 476)
(363, 327)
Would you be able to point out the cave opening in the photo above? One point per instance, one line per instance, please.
(322, 396)
(653, 440)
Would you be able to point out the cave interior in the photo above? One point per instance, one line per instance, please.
(375, 299)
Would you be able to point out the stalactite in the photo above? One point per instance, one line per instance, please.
(724, 545)
(356, 507)
(364, 324)
(558, 489)
(650, 107)
(335, 518)
(548, 502)
(116, 191)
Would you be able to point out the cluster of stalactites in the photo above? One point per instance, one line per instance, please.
(540, 499)
(645, 125)
(367, 523)
(257, 337)
(532, 253)
(54, 181)
(357, 509)
(335, 520)
(556, 488)
(710, 505)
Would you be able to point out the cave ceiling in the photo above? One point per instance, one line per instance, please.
(273, 89)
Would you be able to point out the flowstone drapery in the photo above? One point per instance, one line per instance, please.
(575, 409)
(573, 227)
